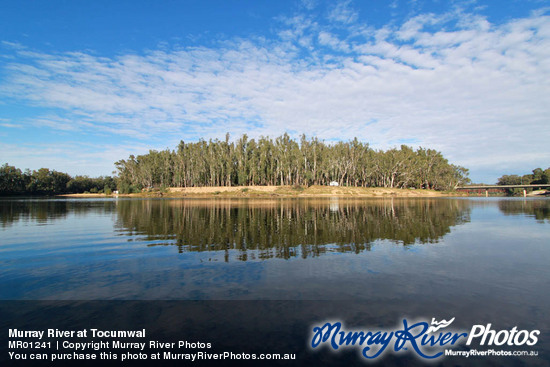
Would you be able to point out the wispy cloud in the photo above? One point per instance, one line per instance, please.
(474, 90)
(343, 12)
(9, 124)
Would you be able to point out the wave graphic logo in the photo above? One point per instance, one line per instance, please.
(439, 325)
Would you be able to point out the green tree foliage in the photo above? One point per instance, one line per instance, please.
(45, 182)
(511, 180)
(12, 180)
(80, 184)
(538, 177)
(285, 161)
(49, 182)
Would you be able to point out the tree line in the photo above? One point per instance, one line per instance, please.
(44, 181)
(537, 177)
(248, 162)
(285, 161)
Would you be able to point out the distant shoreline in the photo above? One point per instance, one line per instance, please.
(315, 191)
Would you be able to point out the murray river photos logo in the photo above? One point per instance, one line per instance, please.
(426, 340)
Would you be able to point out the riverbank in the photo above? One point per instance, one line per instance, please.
(280, 191)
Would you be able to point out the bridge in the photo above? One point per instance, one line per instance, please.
(488, 187)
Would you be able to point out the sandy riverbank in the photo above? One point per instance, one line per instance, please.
(282, 191)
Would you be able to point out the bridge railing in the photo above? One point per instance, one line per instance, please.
(493, 187)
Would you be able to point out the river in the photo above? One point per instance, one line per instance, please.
(477, 259)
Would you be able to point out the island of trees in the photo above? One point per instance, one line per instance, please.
(285, 161)
(248, 162)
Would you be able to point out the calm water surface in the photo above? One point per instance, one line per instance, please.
(333, 249)
(256, 275)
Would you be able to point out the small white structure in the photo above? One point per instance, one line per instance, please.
(333, 183)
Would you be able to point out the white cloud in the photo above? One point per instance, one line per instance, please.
(413, 27)
(342, 12)
(477, 92)
(327, 39)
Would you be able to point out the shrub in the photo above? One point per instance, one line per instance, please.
(298, 187)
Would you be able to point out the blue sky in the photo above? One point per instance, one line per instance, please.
(84, 84)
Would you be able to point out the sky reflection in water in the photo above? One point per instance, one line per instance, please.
(380, 250)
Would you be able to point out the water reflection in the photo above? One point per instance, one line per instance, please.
(538, 209)
(287, 228)
(128, 249)
(490, 264)
(43, 211)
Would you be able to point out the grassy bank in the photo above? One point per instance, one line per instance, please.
(281, 191)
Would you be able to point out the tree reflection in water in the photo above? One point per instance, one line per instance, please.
(262, 229)
(538, 209)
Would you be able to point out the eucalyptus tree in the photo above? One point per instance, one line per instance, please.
(285, 161)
